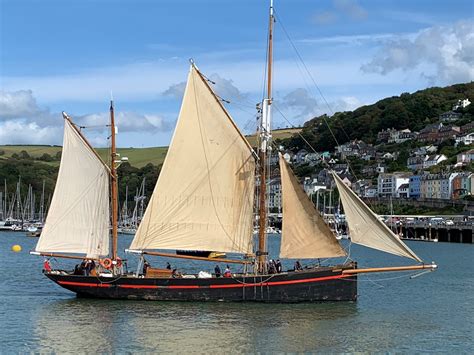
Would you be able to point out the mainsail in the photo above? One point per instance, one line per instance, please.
(78, 219)
(304, 233)
(203, 199)
(364, 226)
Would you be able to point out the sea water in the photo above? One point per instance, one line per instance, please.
(394, 313)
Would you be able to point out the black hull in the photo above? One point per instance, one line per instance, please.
(312, 285)
(200, 253)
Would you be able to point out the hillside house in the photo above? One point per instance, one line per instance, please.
(448, 132)
(464, 158)
(467, 139)
(450, 116)
(401, 136)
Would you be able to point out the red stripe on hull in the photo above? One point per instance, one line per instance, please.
(240, 285)
(276, 283)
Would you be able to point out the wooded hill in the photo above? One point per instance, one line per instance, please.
(413, 111)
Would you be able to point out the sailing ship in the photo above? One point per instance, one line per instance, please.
(212, 210)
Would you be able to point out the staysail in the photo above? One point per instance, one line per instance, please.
(78, 219)
(203, 199)
(304, 233)
(364, 226)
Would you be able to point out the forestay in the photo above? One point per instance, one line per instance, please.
(304, 232)
(203, 199)
(364, 226)
(78, 218)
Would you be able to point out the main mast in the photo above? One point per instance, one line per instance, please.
(114, 185)
(265, 136)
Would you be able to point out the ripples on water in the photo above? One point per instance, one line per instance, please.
(434, 312)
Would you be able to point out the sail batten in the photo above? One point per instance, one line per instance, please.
(304, 232)
(78, 219)
(365, 228)
(203, 199)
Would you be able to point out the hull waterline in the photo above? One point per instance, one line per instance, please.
(312, 285)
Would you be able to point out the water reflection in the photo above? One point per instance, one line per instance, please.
(78, 324)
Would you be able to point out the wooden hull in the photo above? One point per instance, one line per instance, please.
(311, 285)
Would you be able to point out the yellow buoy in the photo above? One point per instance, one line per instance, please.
(16, 248)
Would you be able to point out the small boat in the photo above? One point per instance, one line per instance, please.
(34, 231)
(213, 210)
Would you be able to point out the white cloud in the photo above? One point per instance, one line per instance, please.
(18, 104)
(176, 90)
(22, 120)
(21, 132)
(444, 54)
(301, 103)
(125, 121)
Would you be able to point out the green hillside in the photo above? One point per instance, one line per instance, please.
(137, 157)
(413, 111)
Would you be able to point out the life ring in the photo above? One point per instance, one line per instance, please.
(106, 263)
(118, 262)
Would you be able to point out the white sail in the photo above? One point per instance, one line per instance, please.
(203, 199)
(78, 219)
(304, 232)
(364, 226)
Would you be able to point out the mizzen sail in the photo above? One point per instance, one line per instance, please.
(304, 232)
(364, 226)
(78, 219)
(203, 199)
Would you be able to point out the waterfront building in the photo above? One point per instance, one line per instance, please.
(274, 196)
(461, 185)
(430, 186)
(389, 183)
(414, 186)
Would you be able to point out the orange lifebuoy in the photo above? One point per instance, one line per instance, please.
(107, 263)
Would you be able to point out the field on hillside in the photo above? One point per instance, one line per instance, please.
(276, 134)
(137, 157)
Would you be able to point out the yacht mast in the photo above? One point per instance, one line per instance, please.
(265, 136)
(114, 185)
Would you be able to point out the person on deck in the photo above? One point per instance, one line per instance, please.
(227, 272)
(146, 265)
(298, 266)
(278, 266)
(46, 266)
(168, 266)
(217, 271)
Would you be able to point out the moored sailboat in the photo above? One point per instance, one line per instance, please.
(213, 210)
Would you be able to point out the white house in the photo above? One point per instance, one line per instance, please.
(388, 184)
(466, 139)
(433, 160)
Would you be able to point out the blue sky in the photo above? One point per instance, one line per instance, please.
(69, 55)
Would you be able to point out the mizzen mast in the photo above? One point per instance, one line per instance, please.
(114, 183)
(265, 137)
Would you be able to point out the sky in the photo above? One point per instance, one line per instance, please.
(330, 56)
